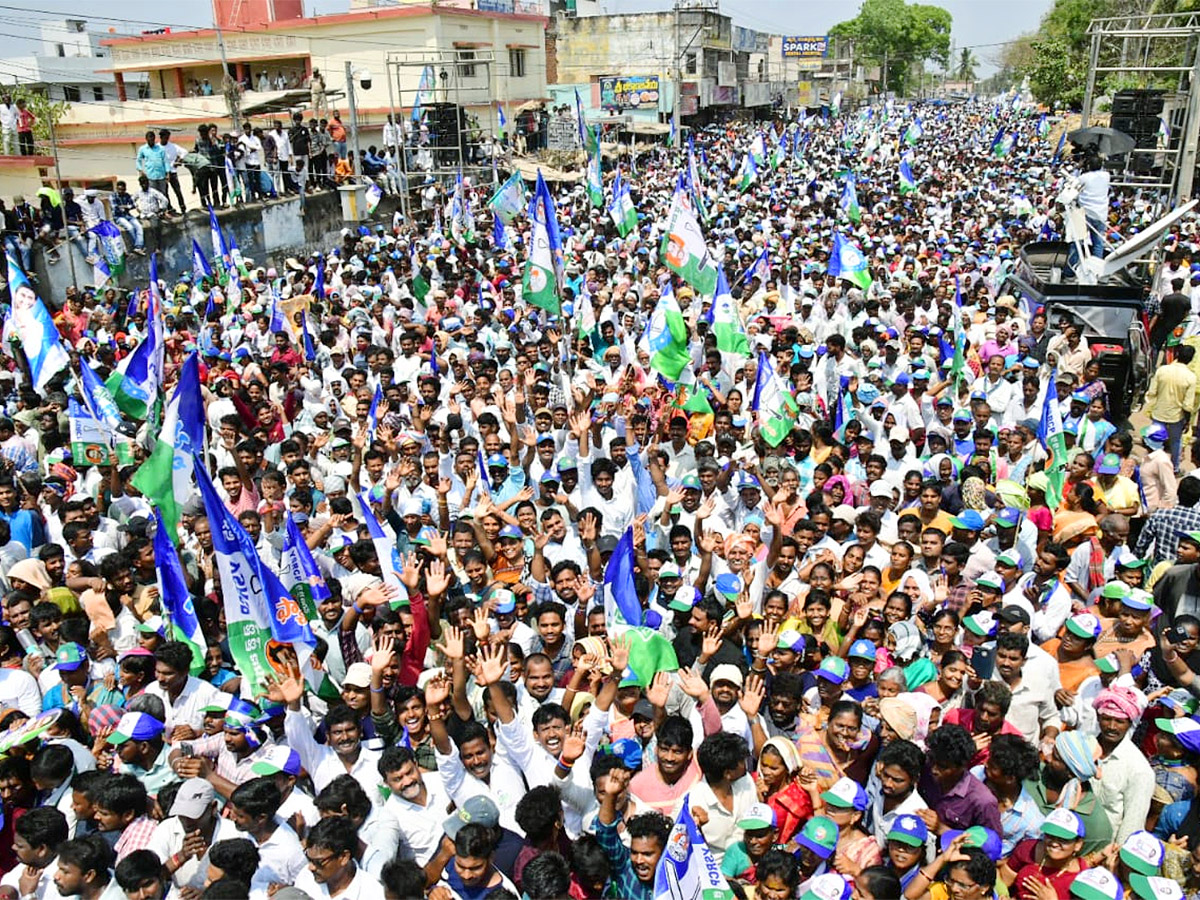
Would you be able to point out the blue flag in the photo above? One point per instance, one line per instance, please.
(176, 601)
(1058, 150)
(390, 563)
(483, 475)
(96, 398)
(621, 605)
(687, 868)
(219, 248)
(373, 413)
(31, 321)
(200, 267)
(299, 572)
(319, 284)
(310, 352)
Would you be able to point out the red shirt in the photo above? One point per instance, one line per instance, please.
(966, 718)
(25, 120)
(1021, 862)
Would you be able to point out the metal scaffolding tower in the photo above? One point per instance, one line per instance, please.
(1159, 51)
(453, 94)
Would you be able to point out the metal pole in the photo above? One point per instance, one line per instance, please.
(678, 73)
(1187, 159)
(234, 112)
(1089, 93)
(401, 143)
(58, 180)
(356, 161)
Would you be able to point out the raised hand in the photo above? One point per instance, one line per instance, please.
(587, 527)
(584, 589)
(711, 642)
(659, 690)
(619, 654)
(752, 695)
(437, 579)
(385, 652)
(693, 684)
(453, 645)
(481, 625)
(437, 690)
(491, 665)
(444, 486)
(376, 595)
(437, 545)
(411, 576)
(767, 641)
(574, 744)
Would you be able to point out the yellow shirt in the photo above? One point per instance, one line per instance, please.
(1121, 494)
(1172, 394)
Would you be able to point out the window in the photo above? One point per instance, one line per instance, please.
(70, 93)
(466, 63)
(689, 64)
(516, 63)
(98, 94)
(59, 50)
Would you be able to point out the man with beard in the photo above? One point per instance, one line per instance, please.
(705, 621)
(467, 766)
(660, 787)
(893, 790)
(1128, 781)
(342, 754)
(783, 705)
(1070, 760)
(417, 800)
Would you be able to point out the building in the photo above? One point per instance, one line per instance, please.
(71, 65)
(472, 56)
(626, 64)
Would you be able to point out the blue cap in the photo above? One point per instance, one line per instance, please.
(549, 478)
(962, 415)
(1009, 517)
(511, 532)
(909, 829)
(862, 649)
(902, 378)
(69, 657)
(968, 519)
(506, 601)
(690, 482)
(497, 461)
(945, 401)
(729, 585)
(977, 836)
(834, 669)
(1138, 599)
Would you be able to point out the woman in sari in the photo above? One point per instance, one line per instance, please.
(780, 786)
(845, 803)
(840, 749)
(949, 688)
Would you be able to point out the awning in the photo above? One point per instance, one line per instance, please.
(648, 128)
(284, 101)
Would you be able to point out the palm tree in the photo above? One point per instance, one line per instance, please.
(967, 63)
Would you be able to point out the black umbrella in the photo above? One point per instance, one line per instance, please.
(1105, 141)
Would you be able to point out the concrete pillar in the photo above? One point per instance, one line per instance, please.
(180, 91)
(120, 80)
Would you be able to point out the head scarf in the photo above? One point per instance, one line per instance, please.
(595, 646)
(908, 638)
(923, 705)
(31, 571)
(920, 672)
(787, 752)
(1079, 755)
(838, 479)
(744, 540)
(974, 493)
(933, 468)
(582, 699)
(900, 715)
(1118, 702)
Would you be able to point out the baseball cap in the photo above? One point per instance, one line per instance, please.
(990, 581)
(834, 669)
(1142, 852)
(567, 464)
(861, 649)
(1012, 614)
(909, 829)
(1108, 664)
(478, 810)
(1084, 625)
(1186, 731)
(1155, 887)
(194, 798)
(1180, 699)
(729, 585)
(136, 726)
(846, 794)
(976, 836)
(497, 461)
(685, 598)
(1138, 599)
(830, 886)
(980, 623)
(278, 759)
(1127, 559)
(1010, 558)
(820, 835)
(790, 639)
(758, 816)
(357, 675)
(1110, 464)
(1009, 517)
(153, 625)
(727, 672)
(968, 519)
(690, 482)
(880, 488)
(511, 533)
(669, 570)
(69, 657)
(506, 601)
(1096, 884)
(1063, 823)
(1115, 590)
(643, 708)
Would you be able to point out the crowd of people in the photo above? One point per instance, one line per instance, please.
(893, 649)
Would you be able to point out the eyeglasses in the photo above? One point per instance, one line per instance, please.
(323, 862)
(963, 886)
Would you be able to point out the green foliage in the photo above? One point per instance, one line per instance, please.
(1057, 76)
(43, 108)
(906, 35)
(964, 67)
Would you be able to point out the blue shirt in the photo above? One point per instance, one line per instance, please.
(152, 162)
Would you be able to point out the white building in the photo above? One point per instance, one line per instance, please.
(70, 64)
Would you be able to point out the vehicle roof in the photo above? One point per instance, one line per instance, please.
(1038, 261)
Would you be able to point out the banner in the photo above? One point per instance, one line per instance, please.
(805, 46)
(635, 92)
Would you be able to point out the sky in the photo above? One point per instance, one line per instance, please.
(982, 25)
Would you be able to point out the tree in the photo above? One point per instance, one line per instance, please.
(43, 108)
(964, 69)
(1056, 75)
(895, 35)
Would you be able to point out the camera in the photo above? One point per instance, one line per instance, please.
(364, 79)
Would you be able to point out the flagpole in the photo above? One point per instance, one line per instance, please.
(58, 180)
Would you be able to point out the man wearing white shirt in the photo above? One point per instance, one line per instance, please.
(184, 696)
(252, 807)
(18, 688)
(417, 800)
(41, 830)
(182, 840)
(343, 754)
(331, 870)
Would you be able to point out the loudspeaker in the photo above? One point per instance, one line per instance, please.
(1123, 105)
(447, 124)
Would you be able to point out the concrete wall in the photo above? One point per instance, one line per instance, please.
(265, 233)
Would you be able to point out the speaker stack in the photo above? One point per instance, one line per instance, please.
(1138, 113)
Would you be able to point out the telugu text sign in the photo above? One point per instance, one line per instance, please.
(635, 92)
(810, 46)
